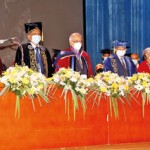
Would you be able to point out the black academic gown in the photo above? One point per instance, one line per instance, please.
(30, 58)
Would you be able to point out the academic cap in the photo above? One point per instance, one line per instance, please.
(128, 54)
(117, 43)
(56, 51)
(30, 26)
(106, 51)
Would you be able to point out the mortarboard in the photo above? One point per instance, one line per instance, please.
(31, 26)
(106, 51)
(117, 43)
(128, 54)
(55, 53)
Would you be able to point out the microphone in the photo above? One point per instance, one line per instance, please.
(15, 41)
(5, 40)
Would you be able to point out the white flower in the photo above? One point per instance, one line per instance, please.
(138, 87)
(73, 79)
(147, 90)
(23, 79)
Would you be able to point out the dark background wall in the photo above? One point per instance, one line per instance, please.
(59, 17)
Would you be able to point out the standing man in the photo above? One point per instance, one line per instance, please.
(75, 57)
(118, 63)
(34, 55)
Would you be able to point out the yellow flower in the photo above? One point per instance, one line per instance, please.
(12, 80)
(134, 78)
(30, 91)
(89, 80)
(140, 76)
(106, 79)
(115, 86)
(103, 89)
(126, 88)
(25, 81)
(49, 79)
(144, 83)
(68, 74)
(40, 86)
(130, 81)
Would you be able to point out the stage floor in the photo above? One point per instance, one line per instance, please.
(133, 146)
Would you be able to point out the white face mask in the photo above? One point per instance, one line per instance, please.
(77, 46)
(104, 58)
(135, 61)
(36, 39)
(120, 53)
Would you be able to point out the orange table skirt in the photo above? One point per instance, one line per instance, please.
(48, 126)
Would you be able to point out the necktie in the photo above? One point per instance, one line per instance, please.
(123, 63)
(39, 61)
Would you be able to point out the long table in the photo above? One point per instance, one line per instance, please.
(49, 126)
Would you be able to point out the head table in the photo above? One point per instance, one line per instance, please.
(50, 126)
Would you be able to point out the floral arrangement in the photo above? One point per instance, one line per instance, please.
(111, 86)
(140, 83)
(73, 82)
(24, 82)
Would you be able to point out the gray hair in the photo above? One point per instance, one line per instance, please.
(146, 51)
(74, 34)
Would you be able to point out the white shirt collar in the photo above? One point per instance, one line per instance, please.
(33, 45)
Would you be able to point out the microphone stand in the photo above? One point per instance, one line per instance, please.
(21, 48)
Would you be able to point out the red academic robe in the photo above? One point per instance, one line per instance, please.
(144, 67)
(64, 62)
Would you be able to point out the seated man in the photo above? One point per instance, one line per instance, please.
(74, 57)
(118, 63)
(34, 55)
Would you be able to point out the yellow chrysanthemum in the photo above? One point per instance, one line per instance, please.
(130, 81)
(31, 91)
(140, 76)
(49, 79)
(144, 83)
(25, 81)
(89, 80)
(12, 80)
(106, 79)
(103, 89)
(115, 86)
(134, 78)
(126, 88)
(40, 86)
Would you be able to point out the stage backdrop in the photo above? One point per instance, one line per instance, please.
(108, 20)
(59, 17)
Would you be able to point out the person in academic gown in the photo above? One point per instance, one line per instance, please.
(145, 65)
(33, 54)
(118, 63)
(74, 57)
(105, 54)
